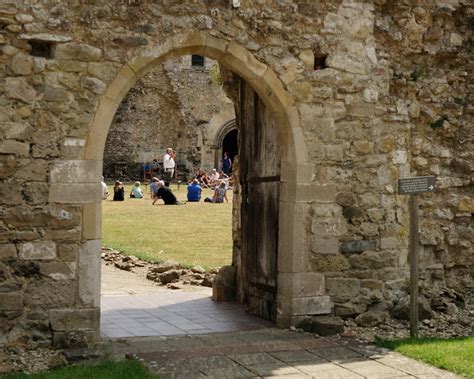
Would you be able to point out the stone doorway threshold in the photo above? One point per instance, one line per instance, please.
(132, 306)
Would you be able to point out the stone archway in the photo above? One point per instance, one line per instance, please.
(290, 136)
(221, 134)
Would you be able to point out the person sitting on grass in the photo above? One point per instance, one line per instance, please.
(154, 188)
(105, 190)
(166, 195)
(194, 191)
(136, 192)
(220, 193)
(202, 178)
(214, 178)
(119, 191)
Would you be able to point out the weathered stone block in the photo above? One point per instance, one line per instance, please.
(333, 226)
(74, 319)
(56, 94)
(78, 51)
(342, 286)
(50, 293)
(389, 243)
(89, 273)
(36, 193)
(349, 309)
(95, 85)
(19, 89)
(309, 192)
(11, 301)
(76, 171)
(17, 130)
(36, 170)
(37, 250)
(11, 193)
(7, 250)
(353, 247)
(15, 147)
(314, 305)
(58, 270)
(323, 325)
(301, 284)
(224, 285)
(324, 129)
(91, 221)
(79, 193)
(329, 262)
(373, 260)
(466, 204)
(21, 64)
(292, 251)
(74, 338)
(324, 245)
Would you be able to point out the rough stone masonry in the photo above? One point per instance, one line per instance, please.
(362, 92)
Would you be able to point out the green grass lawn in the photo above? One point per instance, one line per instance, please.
(107, 370)
(192, 234)
(456, 355)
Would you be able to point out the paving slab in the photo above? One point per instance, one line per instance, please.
(227, 355)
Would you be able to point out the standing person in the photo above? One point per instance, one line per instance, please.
(226, 164)
(194, 191)
(166, 195)
(105, 190)
(169, 164)
(156, 168)
(146, 171)
(119, 191)
(136, 192)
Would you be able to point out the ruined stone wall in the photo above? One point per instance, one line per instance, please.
(177, 105)
(390, 98)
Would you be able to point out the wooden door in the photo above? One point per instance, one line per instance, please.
(260, 178)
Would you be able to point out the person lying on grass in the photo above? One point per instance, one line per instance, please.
(220, 193)
(165, 194)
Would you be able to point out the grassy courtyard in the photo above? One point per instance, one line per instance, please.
(456, 355)
(192, 234)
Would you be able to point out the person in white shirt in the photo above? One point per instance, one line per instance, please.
(169, 164)
(105, 191)
(214, 178)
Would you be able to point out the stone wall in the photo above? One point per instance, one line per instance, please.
(177, 105)
(390, 97)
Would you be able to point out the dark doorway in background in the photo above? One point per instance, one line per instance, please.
(230, 144)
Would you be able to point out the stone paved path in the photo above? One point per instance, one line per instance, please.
(172, 313)
(272, 353)
(132, 306)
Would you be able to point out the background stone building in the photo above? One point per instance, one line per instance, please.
(179, 104)
(344, 97)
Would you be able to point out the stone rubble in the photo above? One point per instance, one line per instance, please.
(169, 273)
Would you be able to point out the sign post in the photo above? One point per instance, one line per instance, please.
(412, 187)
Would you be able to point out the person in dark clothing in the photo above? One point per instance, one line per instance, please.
(166, 195)
(119, 191)
(226, 164)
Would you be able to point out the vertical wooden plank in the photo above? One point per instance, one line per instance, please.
(260, 171)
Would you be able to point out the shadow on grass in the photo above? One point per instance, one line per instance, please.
(456, 354)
